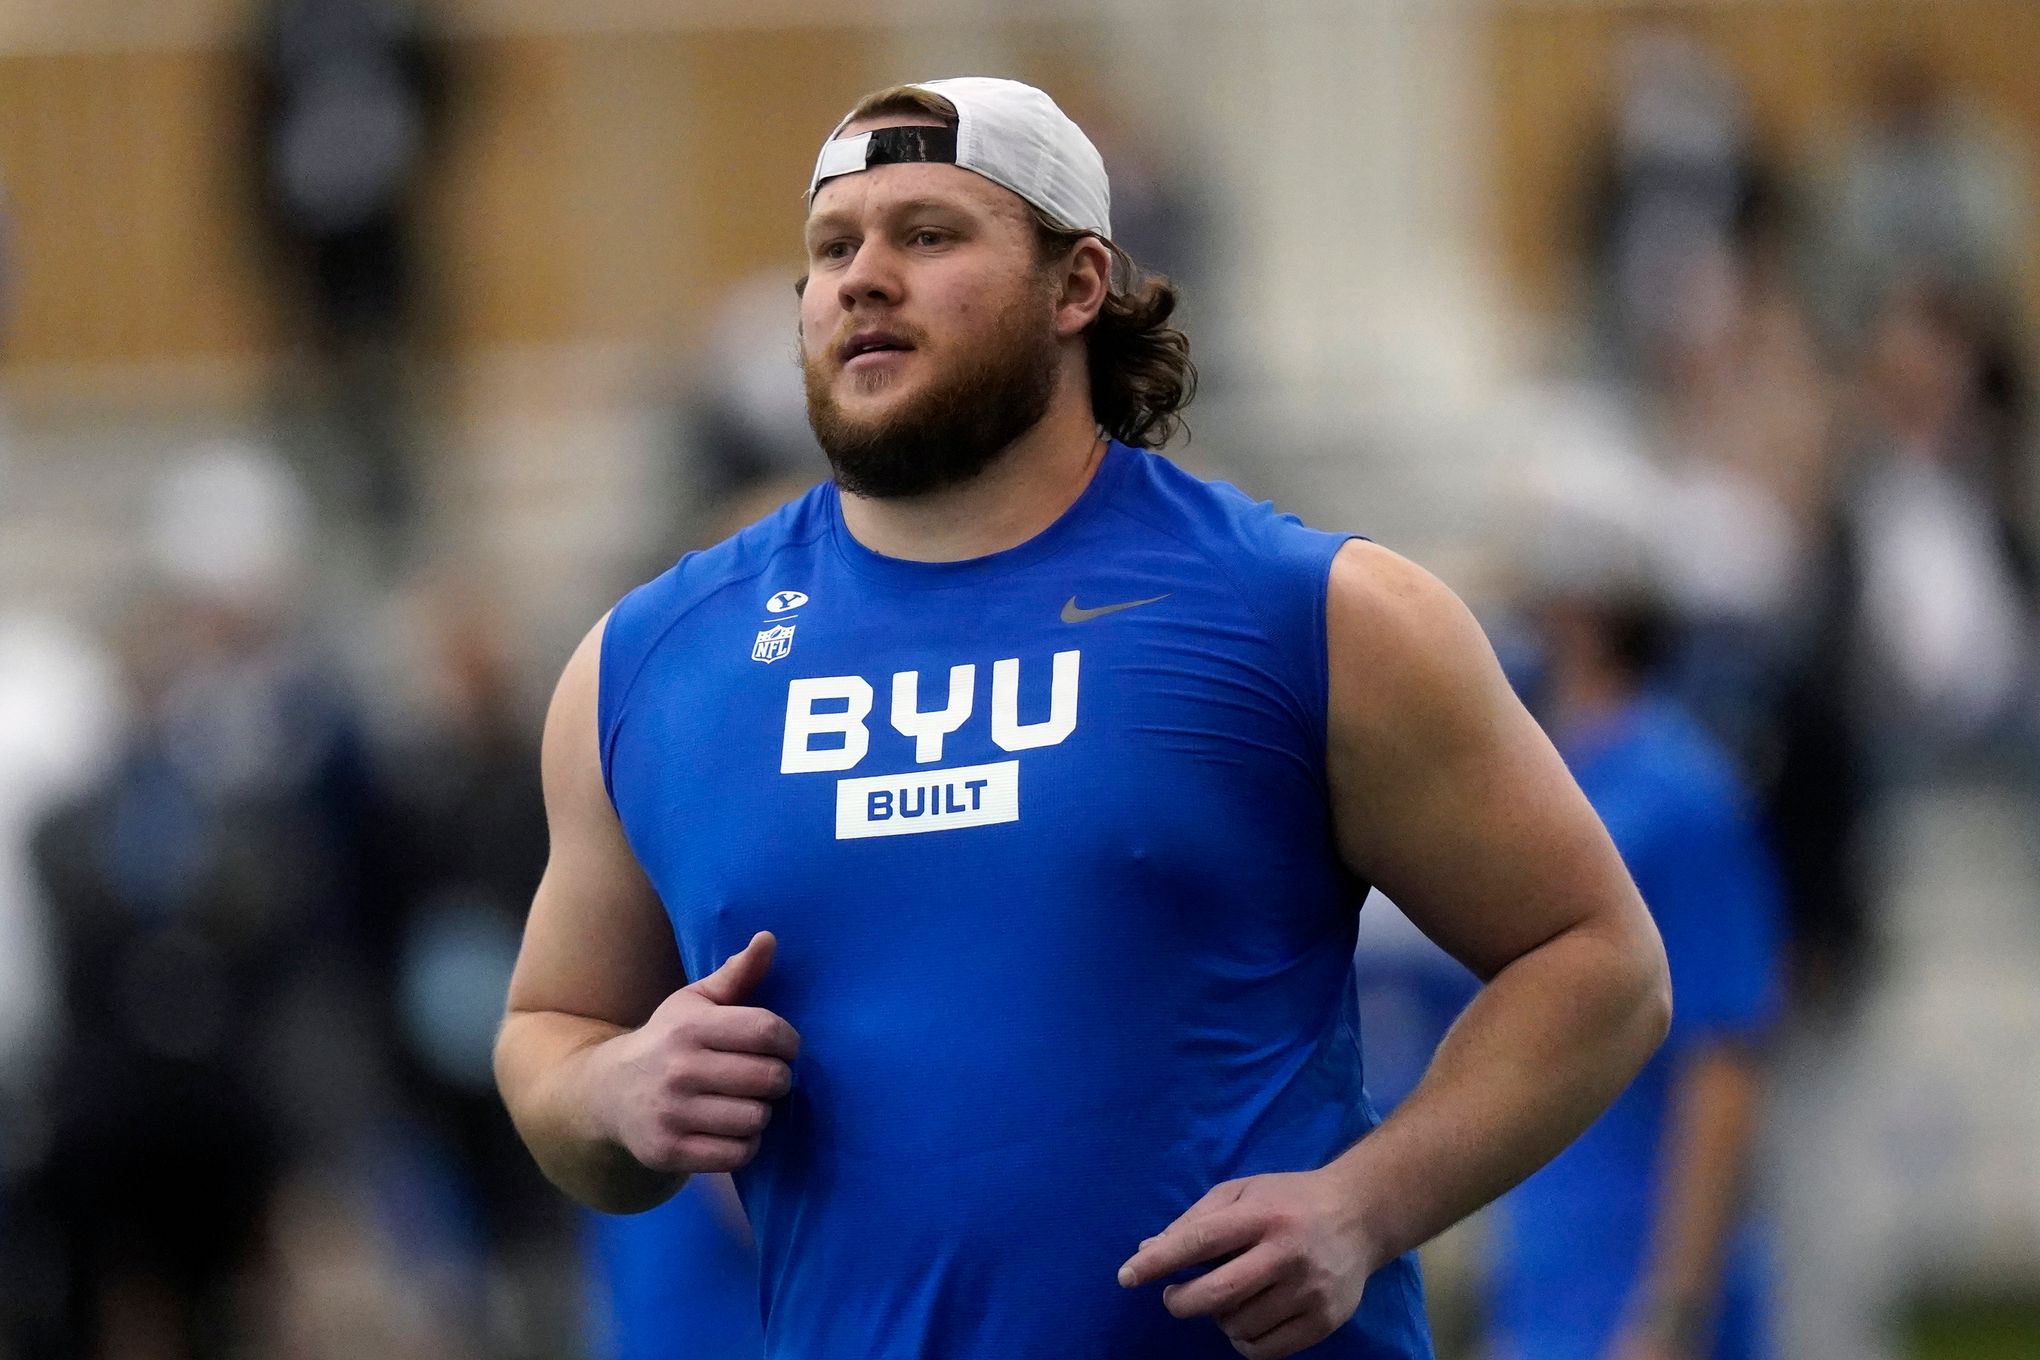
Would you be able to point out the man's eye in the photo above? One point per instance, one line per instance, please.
(834, 250)
(929, 236)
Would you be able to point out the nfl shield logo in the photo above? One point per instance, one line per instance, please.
(773, 643)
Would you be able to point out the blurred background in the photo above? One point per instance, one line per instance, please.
(356, 354)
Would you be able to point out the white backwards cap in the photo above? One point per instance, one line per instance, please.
(1012, 134)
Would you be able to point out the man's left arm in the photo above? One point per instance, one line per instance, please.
(1448, 798)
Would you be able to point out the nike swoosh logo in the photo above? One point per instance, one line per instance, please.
(1073, 613)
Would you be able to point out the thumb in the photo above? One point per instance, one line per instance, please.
(740, 974)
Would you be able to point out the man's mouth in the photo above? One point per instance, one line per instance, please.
(867, 349)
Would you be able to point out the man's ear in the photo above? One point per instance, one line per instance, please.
(1086, 283)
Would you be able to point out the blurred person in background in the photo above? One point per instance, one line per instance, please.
(1930, 566)
(1928, 183)
(204, 911)
(1922, 631)
(347, 108)
(465, 840)
(59, 709)
(1735, 412)
(59, 712)
(1636, 1242)
(1910, 651)
(1739, 419)
(1693, 266)
(1678, 179)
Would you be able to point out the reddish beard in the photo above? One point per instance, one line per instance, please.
(966, 415)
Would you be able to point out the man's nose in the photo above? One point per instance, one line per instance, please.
(873, 276)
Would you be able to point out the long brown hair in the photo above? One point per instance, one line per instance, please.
(1139, 365)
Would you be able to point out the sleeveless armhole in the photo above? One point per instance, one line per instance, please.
(608, 698)
(1319, 550)
(1301, 558)
(628, 640)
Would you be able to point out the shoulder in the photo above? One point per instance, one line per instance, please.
(570, 721)
(701, 575)
(648, 615)
(1222, 520)
(1406, 655)
(1382, 586)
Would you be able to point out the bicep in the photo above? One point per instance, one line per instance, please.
(1446, 795)
(597, 942)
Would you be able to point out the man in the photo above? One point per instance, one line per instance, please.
(1010, 799)
(1633, 1243)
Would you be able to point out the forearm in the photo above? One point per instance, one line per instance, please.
(544, 1065)
(1544, 1048)
(1705, 1158)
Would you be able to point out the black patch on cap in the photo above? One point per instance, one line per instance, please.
(908, 145)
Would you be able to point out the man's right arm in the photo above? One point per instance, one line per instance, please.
(621, 1077)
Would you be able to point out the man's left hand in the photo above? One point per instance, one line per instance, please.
(1291, 1262)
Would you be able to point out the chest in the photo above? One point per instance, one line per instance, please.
(920, 768)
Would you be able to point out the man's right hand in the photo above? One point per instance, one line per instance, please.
(691, 1089)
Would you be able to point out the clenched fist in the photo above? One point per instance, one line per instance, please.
(692, 1088)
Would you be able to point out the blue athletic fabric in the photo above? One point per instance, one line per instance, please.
(677, 1283)
(1059, 969)
(1574, 1236)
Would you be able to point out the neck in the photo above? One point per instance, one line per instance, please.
(1025, 490)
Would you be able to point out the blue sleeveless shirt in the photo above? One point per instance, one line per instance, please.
(1045, 840)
